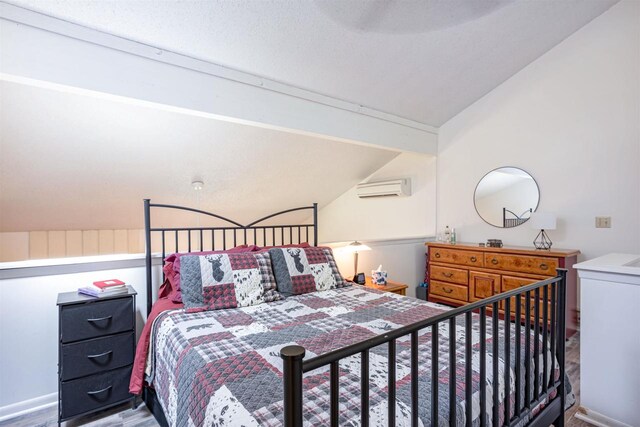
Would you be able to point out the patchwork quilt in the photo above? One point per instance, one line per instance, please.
(223, 367)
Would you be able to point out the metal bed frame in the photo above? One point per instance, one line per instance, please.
(546, 318)
(221, 238)
(239, 234)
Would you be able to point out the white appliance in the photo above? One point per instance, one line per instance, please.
(392, 188)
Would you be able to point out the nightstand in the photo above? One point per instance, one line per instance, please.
(95, 352)
(391, 286)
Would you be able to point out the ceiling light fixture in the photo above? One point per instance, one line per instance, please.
(197, 185)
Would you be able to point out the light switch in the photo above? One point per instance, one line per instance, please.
(603, 222)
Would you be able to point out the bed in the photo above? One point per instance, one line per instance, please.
(351, 355)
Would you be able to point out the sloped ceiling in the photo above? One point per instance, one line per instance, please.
(424, 60)
(70, 161)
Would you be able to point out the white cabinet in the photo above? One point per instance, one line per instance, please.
(610, 340)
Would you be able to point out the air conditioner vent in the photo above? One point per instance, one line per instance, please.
(392, 188)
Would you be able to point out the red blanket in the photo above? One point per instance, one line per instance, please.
(137, 375)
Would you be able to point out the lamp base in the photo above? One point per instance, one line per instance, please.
(542, 241)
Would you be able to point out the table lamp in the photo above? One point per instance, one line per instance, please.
(356, 247)
(542, 221)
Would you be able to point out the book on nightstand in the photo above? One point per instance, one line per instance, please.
(104, 288)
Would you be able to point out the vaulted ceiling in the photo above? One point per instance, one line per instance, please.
(73, 161)
(422, 60)
(70, 161)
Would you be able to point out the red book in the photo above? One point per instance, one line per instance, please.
(108, 284)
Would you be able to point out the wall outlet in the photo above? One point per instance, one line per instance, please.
(603, 222)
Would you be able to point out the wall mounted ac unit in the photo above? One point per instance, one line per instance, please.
(392, 188)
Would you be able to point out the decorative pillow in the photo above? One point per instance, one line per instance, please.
(172, 267)
(303, 270)
(228, 280)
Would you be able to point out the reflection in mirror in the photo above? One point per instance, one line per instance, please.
(505, 197)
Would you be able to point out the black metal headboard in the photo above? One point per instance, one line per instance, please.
(267, 235)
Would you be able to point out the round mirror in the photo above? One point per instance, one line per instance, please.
(506, 197)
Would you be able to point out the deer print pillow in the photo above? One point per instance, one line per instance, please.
(230, 280)
(303, 270)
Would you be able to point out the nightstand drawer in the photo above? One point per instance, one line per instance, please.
(95, 319)
(448, 274)
(96, 355)
(96, 391)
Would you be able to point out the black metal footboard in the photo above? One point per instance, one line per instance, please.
(538, 402)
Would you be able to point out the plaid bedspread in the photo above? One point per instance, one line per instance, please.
(223, 367)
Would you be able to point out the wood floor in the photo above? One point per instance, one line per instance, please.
(124, 416)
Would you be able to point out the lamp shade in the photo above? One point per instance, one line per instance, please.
(542, 221)
(357, 247)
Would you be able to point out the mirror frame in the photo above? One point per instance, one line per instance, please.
(493, 170)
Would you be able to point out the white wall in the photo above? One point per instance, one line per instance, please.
(571, 119)
(41, 49)
(403, 259)
(395, 228)
(349, 218)
(29, 328)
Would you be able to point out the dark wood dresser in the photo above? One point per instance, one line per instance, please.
(95, 353)
(462, 273)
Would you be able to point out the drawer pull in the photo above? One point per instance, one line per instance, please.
(494, 261)
(447, 290)
(544, 266)
(447, 274)
(95, 356)
(93, 393)
(473, 259)
(437, 255)
(99, 319)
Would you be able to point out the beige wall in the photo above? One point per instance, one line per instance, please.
(20, 246)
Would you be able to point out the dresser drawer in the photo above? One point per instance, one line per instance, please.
(453, 275)
(448, 290)
(90, 393)
(95, 319)
(456, 256)
(509, 283)
(522, 263)
(92, 356)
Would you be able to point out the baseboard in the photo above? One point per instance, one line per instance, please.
(27, 406)
(597, 419)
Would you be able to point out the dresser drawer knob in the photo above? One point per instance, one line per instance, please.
(96, 356)
(447, 274)
(93, 393)
(473, 259)
(447, 290)
(99, 319)
(437, 255)
(494, 261)
(544, 266)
